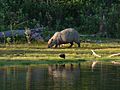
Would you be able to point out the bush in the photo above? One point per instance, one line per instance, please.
(84, 15)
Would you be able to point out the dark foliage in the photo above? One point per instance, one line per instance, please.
(84, 15)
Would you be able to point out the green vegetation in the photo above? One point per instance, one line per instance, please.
(39, 53)
(55, 15)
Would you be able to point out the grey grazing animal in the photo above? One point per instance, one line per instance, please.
(68, 35)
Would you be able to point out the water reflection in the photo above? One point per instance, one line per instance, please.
(64, 76)
(81, 76)
(61, 70)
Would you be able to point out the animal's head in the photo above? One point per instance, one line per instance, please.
(51, 43)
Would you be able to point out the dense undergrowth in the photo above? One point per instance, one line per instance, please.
(86, 16)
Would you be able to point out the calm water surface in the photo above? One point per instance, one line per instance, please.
(80, 76)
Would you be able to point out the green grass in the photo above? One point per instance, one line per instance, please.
(39, 53)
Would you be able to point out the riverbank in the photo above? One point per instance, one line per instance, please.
(39, 52)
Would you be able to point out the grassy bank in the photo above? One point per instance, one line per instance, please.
(34, 53)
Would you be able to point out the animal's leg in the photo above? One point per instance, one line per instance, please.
(71, 44)
(78, 44)
(56, 46)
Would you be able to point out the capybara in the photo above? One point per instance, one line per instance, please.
(68, 35)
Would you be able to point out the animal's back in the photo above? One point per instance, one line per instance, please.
(69, 35)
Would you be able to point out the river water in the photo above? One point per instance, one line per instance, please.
(71, 76)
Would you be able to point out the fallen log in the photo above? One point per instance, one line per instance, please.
(117, 54)
(33, 33)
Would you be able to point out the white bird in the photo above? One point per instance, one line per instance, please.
(96, 55)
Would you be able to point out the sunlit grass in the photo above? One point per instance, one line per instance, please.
(40, 52)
